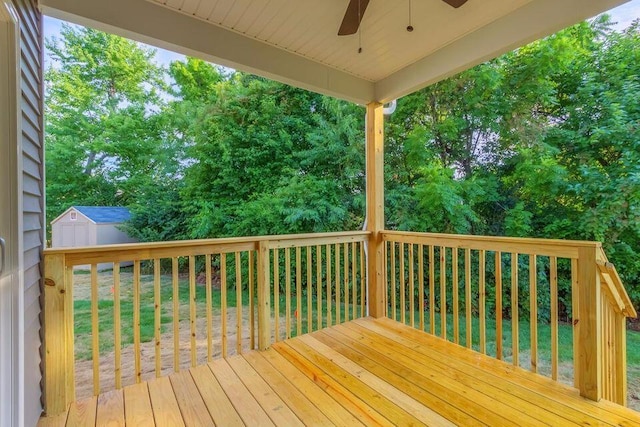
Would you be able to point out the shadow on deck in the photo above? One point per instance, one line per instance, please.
(365, 372)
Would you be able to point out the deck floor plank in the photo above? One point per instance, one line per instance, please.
(194, 411)
(364, 372)
(272, 404)
(166, 412)
(83, 412)
(398, 397)
(306, 411)
(137, 406)
(480, 392)
(478, 405)
(516, 395)
(359, 408)
(605, 412)
(331, 408)
(247, 406)
(55, 421)
(372, 398)
(220, 407)
(110, 410)
(400, 377)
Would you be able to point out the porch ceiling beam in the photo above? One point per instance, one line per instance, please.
(533, 21)
(159, 26)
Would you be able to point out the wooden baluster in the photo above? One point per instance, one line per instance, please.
(223, 302)
(157, 315)
(309, 291)
(287, 301)
(363, 279)
(252, 306)
(318, 287)
(620, 361)
(421, 285)
(456, 308)
(553, 280)
(432, 291)
(298, 311)
(239, 303)
(412, 308)
(117, 328)
(176, 314)
(345, 260)
(575, 310)
(483, 299)
(467, 296)
(337, 270)
(498, 262)
(192, 308)
(403, 305)
(329, 296)
(533, 309)
(515, 311)
(394, 306)
(276, 292)
(95, 330)
(443, 292)
(354, 287)
(264, 295)
(209, 308)
(136, 320)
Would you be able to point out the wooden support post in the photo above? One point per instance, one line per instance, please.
(589, 363)
(375, 208)
(264, 296)
(59, 375)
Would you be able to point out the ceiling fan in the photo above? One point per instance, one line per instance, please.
(355, 12)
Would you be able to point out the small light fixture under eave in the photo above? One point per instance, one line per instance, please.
(389, 108)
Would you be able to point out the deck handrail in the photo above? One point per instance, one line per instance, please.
(438, 268)
(322, 277)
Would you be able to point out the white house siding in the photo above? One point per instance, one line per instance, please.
(33, 198)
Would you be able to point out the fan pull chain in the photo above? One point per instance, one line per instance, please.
(410, 27)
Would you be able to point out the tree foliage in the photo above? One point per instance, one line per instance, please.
(542, 142)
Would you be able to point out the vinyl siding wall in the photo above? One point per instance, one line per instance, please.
(31, 86)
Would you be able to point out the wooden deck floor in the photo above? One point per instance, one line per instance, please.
(366, 372)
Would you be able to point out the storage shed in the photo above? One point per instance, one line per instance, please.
(90, 225)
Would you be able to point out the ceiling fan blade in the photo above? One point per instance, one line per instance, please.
(455, 3)
(353, 17)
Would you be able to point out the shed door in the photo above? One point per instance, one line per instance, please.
(74, 235)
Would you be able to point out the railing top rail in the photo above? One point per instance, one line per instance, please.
(614, 285)
(151, 250)
(531, 246)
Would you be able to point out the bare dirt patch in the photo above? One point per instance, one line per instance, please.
(84, 368)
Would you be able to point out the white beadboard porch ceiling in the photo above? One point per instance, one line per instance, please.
(309, 28)
(296, 41)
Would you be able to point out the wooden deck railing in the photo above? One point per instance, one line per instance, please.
(287, 285)
(480, 291)
(510, 298)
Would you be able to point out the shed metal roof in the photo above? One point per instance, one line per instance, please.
(104, 214)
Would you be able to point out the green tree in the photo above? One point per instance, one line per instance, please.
(103, 133)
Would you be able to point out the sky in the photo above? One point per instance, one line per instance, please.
(623, 15)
